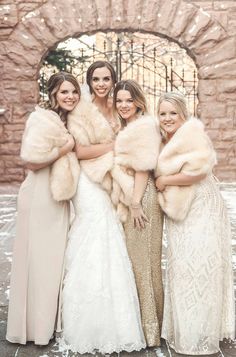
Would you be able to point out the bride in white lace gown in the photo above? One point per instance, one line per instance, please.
(199, 296)
(100, 307)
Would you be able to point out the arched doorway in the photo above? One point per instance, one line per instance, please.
(39, 30)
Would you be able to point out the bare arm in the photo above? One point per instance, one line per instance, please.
(179, 179)
(61, 152)
(92, 151)
(140, 184)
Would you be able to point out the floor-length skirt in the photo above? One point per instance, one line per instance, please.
(199, 298)
(39, 247)
(145, 250)
(100, 303)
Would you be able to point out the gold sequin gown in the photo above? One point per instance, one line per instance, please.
(145, 248)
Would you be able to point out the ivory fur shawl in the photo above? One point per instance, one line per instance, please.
(44, 134)
(189, 151)
(136, 149)
(88, 126)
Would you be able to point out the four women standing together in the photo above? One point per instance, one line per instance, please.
(112, 296)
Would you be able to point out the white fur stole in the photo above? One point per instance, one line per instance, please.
(136, 149)
(189, 151)
(88, 126)
(44, 134)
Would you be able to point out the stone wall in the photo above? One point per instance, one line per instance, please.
(207, 29)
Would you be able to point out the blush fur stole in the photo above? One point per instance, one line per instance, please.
(189, 151)
(136, 149)
(44, 134)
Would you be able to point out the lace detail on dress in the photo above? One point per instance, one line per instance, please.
(199, 299)
(100, 304)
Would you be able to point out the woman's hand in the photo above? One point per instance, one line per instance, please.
(160, 183)
(67, 147)
(138, 216)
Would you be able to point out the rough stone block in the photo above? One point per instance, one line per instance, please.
(61, 25)
(213, 134)
(207, 90)
(8, 15)
(224, 50)
(12, 161)
(211, 37)
(232, 23)
(38, 28)
(165, 16)
(225, 69)
(25, 39)
(11, 92)
(5, 33)
(222, 123)
(229, 135)
(184, 15)
(29, 91)
(224, 5)
(9, 149)
(206, 5)
(199, 24)
(134, 12)
(11, 137)
(221, 17)
(26, 7)
(117, 12)
(22, 56)
(12, 72)
(212, 110)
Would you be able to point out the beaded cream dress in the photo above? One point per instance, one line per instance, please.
(145, 248)
(199, 296)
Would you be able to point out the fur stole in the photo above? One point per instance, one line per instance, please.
(44, 134)
(88, 126)
(136, 149)
(189, 151)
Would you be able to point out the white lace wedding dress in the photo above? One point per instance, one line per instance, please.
(100, 306)
(199, 295)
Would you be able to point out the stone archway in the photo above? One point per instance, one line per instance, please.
(206, 41)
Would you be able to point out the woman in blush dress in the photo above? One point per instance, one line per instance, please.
(199, 296)
(43, 215)
(100, 303)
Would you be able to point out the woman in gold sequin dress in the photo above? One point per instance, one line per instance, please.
(136, 150)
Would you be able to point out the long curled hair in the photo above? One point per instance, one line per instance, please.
(54, 84)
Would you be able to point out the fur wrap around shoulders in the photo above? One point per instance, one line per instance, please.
(136, 149)
(189, 151)
(44, 134)
(88, 126)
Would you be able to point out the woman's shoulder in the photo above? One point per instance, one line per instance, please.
(42, 117)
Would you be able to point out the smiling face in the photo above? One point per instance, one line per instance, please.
(67, 96)
(170, 119)
(101, 82)
(125, 105)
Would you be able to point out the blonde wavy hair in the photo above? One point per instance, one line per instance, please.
(178, 101)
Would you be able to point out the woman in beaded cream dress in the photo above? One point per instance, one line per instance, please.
(199, 296)
(100, 309)
(135, 196)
